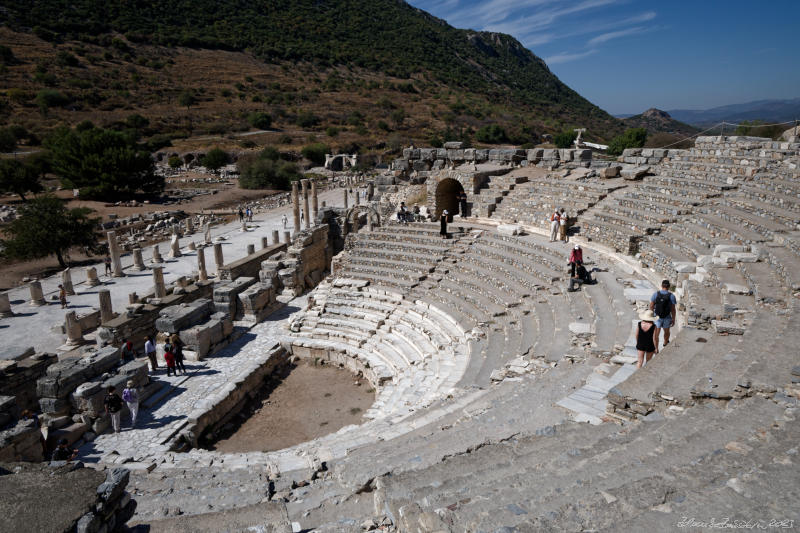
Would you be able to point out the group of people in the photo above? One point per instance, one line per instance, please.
(658, 317)
(173, 354)
(416, 214)
(579, 275)
(558, 225)
(246, 213)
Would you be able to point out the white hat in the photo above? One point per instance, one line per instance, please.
(445, 212)
(577, 246)
(647, 316)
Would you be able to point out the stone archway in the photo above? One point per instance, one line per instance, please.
(447, 193)
(352, 216)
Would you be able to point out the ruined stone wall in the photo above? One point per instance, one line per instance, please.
(250, 264)
(433, 159)
(18, 378)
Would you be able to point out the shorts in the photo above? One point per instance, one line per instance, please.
(664, 323)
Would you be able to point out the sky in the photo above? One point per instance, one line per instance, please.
(627, 56)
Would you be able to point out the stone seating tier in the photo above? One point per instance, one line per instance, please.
(762, 225)
(709, 227)
(766, 209)
(709, 188)
(622, 238)
(678, 192)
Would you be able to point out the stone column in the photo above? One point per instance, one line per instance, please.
(370, 191)
(287, 237)
(358, 197)
(275, 237)
(192, 246)
(66, 281)
(244, 225)
(264, 242)
(106, 311)
(133, 298)
(138, 262)
(345, 197)
(189, 226)
(37, 296)
(218, 256)
(73, 327)
(91, 277)
(157, 259)
(207, 234)
(5, 306)
(251, 249)
(116, 261)
(175, 244)
(304, 183)
(158, 282)
(296, 207)
(314, 200)
(202, 275)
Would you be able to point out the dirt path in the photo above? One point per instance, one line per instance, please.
(309, 402)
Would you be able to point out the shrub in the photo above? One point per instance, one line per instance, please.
(331, 131)
(8, 141)
(491, 134)
(382, 125)
(270, 152)
(262, 172)
(632, 138)
(260, 120)
(47, 98)
(315, 153)
(285, 139)
(306, 119)
(215, 159)
(65, 59)
(175, 162)
(564, 139)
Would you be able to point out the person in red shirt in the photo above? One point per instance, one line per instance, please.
(575, 259)
(169, 358)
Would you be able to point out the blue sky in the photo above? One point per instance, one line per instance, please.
(627, 55)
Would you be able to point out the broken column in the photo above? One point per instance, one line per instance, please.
(91, 277)
(106, 311)
(251, 249)
(207, 234)
(296, 207)
(5, 306)
(358, 198)
(275, 237)
(116, 260)
(218, 256)
(158, 282)
(66, 281)
(189, 226)
(314, 200)
(202, 274)
(175, 243)
(370, 191)
(304, 183)
(345, 197)
(138, 262)
(73, 327)
(264, 242)
(37, 296)
(287, 237)
(157, 255)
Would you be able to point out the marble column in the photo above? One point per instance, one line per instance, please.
(66, 281)
(106, 311)
(116, 260)
(73, 327)
(189, 226)
(91, 277)
(287, 237)
(5, 306)
(202, 274)
(37, 296)
(275, 237)
(157, 259)
(138, 262)
(370, 191)
(344, 192)
(304, 183)
(175, 244)
(296, 207)
(314, 200)
(207, 234)
(218, 260)
(264, 242)
(358, 197)
(158, 282)
(251, 249)
(191, 246)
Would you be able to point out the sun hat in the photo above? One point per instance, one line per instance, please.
(647, 316)
(445, 212)
(577, 246)
(130, 383)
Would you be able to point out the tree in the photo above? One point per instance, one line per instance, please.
(47, 98)
(18, 177)
(632, 138)
(565, 139)
(260, 120)
(175, 162)
(307, 119)
(215, 159)
(102, 163)
(187, 98)
(261, 172)
(44, 226)
(315, 153)
(491, 134)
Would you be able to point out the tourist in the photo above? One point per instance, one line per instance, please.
(113, 405)
(107, 263)
(663, 303)
(177, 345)
(462, 202)
(63, 453)
(575, 259)
(150, 352)
(127, 353)
(169, 358)
(443, 224)
(646, 338)
(131, 397)
(285, 220)
(241, 215)
(402, 214)
(416, 213)
(249, 214)
(554, 225)
(563, 219)
(584, 275)
(574, 282)
(62, 296)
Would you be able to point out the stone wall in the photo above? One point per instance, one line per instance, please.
(18, 378)
(302, 266)
(250, 264)
(201, 328)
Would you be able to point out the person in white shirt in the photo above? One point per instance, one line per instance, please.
(150, 352)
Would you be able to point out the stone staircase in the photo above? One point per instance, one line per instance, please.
(492, 193)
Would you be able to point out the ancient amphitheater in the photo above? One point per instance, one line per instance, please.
(503, 402)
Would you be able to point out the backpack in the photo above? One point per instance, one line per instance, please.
(663, 304)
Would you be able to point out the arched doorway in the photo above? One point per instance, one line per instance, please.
(447, 193)
(353, 216)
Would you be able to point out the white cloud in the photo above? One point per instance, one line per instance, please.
(566, 57)
(615, 35)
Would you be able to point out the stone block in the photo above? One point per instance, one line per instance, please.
(534, 155)
(734, 288)
(718, 249)
(684, 267)
(730, 328)
(727, 258)
(635, 173)
(611, 171)
(509, 229)
(455, 155)
(178, 317)
(453, 145)
(421, 166)
(481, 155)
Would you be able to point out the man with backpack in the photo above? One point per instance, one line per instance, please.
(663, 303)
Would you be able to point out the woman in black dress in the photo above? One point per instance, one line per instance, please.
(645, 340)
(177, 344)
(443, 224)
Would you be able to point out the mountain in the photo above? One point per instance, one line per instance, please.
(374, 66)
(770, 111)
(657, 121)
